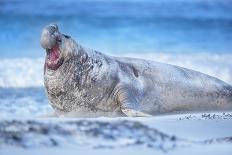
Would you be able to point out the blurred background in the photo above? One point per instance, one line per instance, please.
(119, 26)
(195, 34)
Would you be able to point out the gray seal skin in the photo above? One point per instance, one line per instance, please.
(81, 82)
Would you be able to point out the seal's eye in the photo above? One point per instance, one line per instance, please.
(66, 36)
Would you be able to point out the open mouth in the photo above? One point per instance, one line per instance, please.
(54, 59)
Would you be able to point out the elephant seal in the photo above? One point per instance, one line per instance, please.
(84, 82)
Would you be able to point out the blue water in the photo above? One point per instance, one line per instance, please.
(119, 26)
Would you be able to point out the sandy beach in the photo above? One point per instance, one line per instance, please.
(202, 133)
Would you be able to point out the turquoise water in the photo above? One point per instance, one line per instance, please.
(118, 27)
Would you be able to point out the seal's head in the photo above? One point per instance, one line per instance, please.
(51, 41)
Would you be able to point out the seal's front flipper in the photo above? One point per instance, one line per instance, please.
(128, 98)
(134, 113)
(133, 109)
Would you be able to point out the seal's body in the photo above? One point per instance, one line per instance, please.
(84, 82)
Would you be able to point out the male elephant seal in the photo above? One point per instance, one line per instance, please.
(84, 82)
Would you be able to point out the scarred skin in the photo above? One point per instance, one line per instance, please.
(85, 83)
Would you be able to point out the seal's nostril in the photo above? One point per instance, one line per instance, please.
(53, 27)
(50, 36)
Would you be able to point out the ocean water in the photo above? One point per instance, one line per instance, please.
(119, 26)
(194, 34)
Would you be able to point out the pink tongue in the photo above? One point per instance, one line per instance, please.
(54, 54)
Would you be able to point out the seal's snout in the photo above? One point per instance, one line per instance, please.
(50, 40)
(52, 27)
(49, 36)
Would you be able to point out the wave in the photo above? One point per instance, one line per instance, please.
(131, 25)
(28, 72)
(23, 102)
(176, 8)
(21, 72)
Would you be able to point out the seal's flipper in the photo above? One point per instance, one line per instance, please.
(127, 97)
(134, 113)
(133, 109)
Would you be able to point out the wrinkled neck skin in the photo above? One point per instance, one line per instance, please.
(69, 88)
(70, 50)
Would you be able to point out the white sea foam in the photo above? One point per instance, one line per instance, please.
(23, 102)
(24, 72)
(28, 72)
